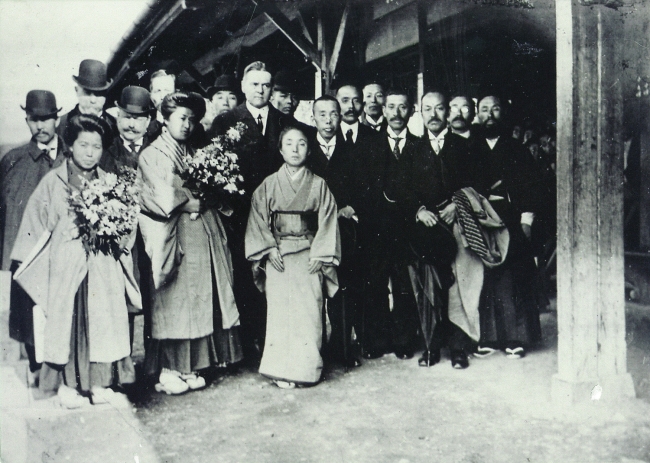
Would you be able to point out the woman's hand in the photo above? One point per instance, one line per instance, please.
(315, 266)
(193, 206)
(276, 260)
(448, 214)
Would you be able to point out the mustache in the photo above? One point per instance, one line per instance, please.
(397, 118)
(436, 119)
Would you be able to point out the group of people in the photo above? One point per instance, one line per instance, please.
(403, 243)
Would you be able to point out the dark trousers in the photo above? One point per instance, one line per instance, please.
(387, 258)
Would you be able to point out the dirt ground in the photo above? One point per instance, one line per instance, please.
(387, 410)
(391, 410)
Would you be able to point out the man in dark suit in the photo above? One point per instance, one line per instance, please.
(353, 131)
(461, 115)
(284, 97)
(373, 102)
(388, 254)
(92, 85)
(332, 159)
(258, 158)
(505, 175)
(21, 169)
(133, 118)
(439, 171)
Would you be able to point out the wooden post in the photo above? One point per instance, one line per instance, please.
(591, 299)
(422, 41)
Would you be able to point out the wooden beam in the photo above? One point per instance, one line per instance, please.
(303, 26)
(336, 51)
(280, 20)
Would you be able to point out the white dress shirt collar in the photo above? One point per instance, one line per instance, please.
(492, 142)
(327, 146)
(255, 112)
(354, 127)
(379, 120)
(437, 141)
(127, 144)
(401, 136)
(52, 147)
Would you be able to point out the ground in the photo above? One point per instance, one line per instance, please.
(388, 410)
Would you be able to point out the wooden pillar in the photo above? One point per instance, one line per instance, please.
(422, 41)
(591, 303)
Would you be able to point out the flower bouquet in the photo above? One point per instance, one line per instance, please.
(106, 211)
(212, 172)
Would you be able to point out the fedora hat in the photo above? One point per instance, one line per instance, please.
(92, 75)
(40, 103)
(135, 100)
(224, 82)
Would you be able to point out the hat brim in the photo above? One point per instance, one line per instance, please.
(94, 89)
(212, 90)
(40, 113)
(283, 89)
(146, 112)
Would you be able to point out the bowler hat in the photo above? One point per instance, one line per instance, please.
(223, 82)
(40, 103)
(284, 81)
(135, 100)
(92, 75)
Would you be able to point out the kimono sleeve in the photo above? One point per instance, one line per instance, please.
(158, 195)
(38, 218)
(326, 246)
(259, 238)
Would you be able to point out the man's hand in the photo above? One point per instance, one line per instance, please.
(315, 266)
(276, 260)
(448, 214)
(428, 218)
(347, 212)
(527, 230)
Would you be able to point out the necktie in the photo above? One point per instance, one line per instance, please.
(133, 148)
(435, 145)
(326, 150)
(260, 124)
(396, 151)
(348, 137)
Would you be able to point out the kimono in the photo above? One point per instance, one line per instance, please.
(83, 296)
(296, 214)
(192, 271)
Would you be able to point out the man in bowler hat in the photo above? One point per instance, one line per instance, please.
(133, 118)
(284, 97)
(21, 170)
(92, 85)
(223, 94)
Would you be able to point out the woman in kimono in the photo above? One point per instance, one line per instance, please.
(293, 240)
(194, 317)
(86, 345)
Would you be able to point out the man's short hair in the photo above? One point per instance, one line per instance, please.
(434, 90)
(255, 66)
(326, 98)
(400, 92)
(160, 73)
(347, 83)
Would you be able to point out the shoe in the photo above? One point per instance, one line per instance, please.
(170, 383)
(352, 362)
(70, 398)
(372, 354)
(429, 359)
(484, 351)
(284, 384)
(404, 354)
(105, 395)
(515, 353)
(459, 360)
(194, 381)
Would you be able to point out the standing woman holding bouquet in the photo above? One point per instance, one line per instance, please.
(86, 344)
(194, 317)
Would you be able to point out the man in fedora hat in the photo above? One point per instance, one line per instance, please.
(21, 170)
(133, 118)
(284, 97)
(223, 94)
(92, 85)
